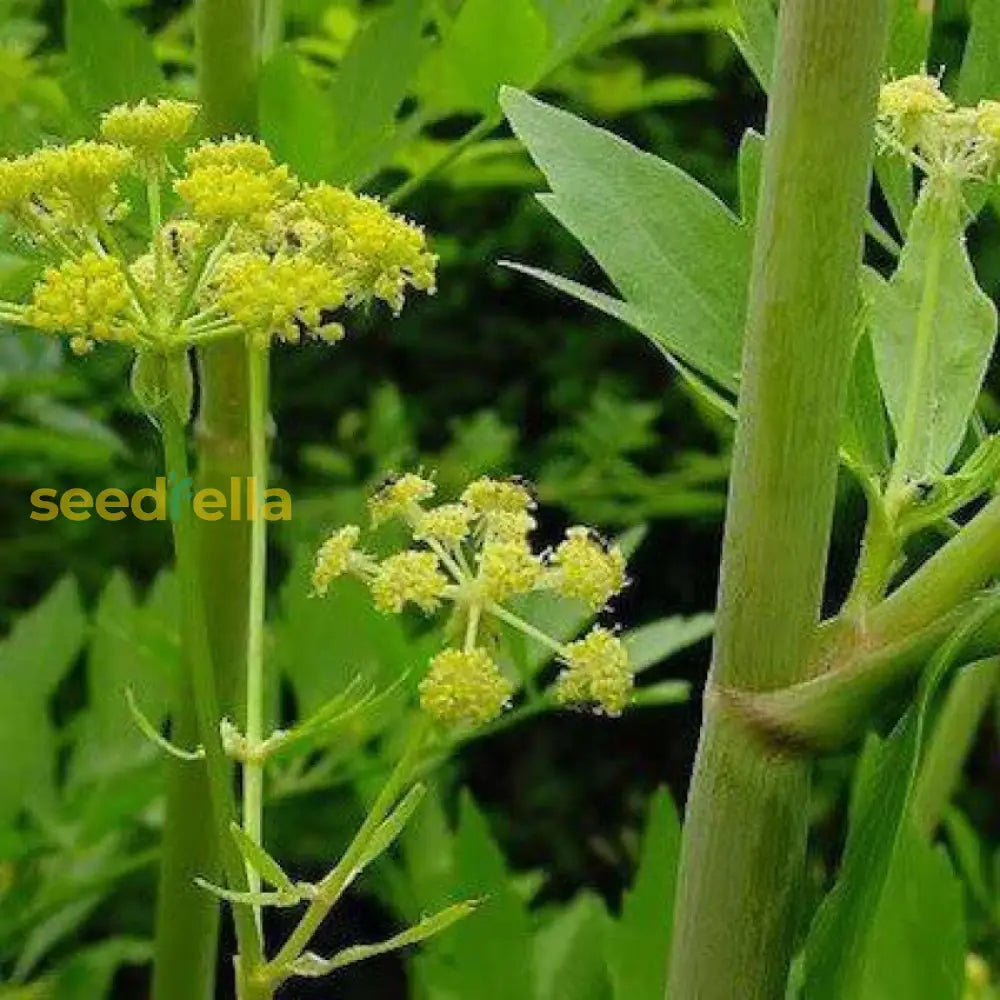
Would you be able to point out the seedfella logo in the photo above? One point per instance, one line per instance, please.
(164, 500)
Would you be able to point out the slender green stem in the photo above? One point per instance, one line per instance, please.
(745, 831)
(334, 884)
(955, 730)
(253, 770)
(478, 132)
(516, 621)
(155, 200)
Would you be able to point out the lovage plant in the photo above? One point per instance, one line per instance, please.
(239, 249)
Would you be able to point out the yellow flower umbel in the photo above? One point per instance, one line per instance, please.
(949, 144)
(477, 555)
(252, 255)
(148, 130)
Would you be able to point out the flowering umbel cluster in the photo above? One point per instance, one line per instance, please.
(919, 121)
(476, 554)
(250, 251)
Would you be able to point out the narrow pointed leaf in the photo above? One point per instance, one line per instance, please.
(387, 831)
(260, 861)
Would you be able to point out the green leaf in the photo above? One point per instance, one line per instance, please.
(679, 257)
(297, 119)
(391, 827)
(370, 85)
(954, 319)
(750, 162)
(312, 966)
(651, 644)
(88, 975)
(865, 909)
(110, 58)
(569, 952)
(757, 37)
(639, 942)
(488, 45)
(574, 23)
(490, 957)
(864, 438)
(260, 861)
(34, 658)
(980, 75)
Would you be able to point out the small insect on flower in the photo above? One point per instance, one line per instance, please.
(464, 688)
(397, 496)
(596, 673)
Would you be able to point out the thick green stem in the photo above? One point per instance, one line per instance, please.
(221, 807)
(188, 920)
(745, 832)
(954, 732)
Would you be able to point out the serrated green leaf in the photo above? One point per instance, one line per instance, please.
(110, 58)
(959, 322)
(488, 45)
(679, 257)
(33, 660)
(639, 942)
(569, 952)
(490, 957)
(312, 966)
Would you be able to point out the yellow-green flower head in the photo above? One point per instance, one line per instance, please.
(336, 556)
(500, 496)
(281, 297)
(78, 181)
(449, 523)
(464, 688)
(397, 496)
(586, 567)
(237, 153)
(909, 102)
(410, 576)
(234, 194)
(507, 568)
(17, 182)
(87, 296)
(508, 526)
(149, 128)
(382, 253)
(597, 673)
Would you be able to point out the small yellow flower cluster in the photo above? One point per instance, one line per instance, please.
(464, 688)
(380, 253)
(88, 297)
(279, 297)
(149, 129)
(919, 120)
(587, 568)
(255, 254)
(596, 673)
(235, 180)
(477, 554)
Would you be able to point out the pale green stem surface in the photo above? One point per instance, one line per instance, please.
(745, 831)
